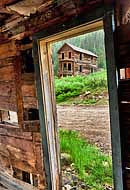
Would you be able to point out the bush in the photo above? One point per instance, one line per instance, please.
(68, 87)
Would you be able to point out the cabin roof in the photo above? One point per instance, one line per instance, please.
(78, 49)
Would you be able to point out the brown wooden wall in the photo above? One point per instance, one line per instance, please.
(20, 145)
(122, 37)
(86, 62)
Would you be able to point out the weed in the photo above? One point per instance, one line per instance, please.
(94, 167)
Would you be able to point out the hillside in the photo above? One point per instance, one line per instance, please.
(89, 89)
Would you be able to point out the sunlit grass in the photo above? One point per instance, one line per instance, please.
(94, 167)
(70, 87)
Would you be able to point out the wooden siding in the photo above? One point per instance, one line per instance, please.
(22, 144)
(85, 61)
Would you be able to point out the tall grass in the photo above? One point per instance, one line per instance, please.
(69, 87)
(94, 167)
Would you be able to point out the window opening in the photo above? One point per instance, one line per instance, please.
(26, 40)
(65, 65)
(80, 56)
(92, 70)
(27, 63)
(69, 55)
(63, 55)
(69, 66)
(31, 114)
(8, 117)
(25, 177)
(80, 68)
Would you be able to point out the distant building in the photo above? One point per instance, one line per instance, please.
(76, 61)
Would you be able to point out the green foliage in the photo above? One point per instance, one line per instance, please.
(93, 41)
(68, 87)
(94, 167)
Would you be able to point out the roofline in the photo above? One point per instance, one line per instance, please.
(75, 50)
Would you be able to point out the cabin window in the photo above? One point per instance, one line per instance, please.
(92, 70)
(80, 68)
(80, 56)
(63, 55)
(69, 67)
(25, 176)
(28, 63)
(8, 117)
(69, 55)
(26, 40)
(31, 114)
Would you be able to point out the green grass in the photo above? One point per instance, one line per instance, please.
(93, 167)
(68, 88)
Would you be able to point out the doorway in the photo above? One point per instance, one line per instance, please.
(47, 98)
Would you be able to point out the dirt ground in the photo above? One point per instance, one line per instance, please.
(91, 121)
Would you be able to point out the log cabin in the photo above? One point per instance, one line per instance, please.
(29, 153)
(75, 61)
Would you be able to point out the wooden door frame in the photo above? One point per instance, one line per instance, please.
(77, 26)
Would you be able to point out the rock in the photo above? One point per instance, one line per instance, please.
(70, 179)
(65, 159)
(75, 179)
(67, 187)
(74, 188)
(65, 181)
(68, 169)
(83, 185)
(87, 93)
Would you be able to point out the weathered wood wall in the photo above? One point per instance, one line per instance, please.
(20, 145)
(87, 62)
(122, 39)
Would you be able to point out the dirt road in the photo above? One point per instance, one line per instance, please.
(91, 121)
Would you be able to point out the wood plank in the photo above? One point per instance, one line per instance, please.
(29, 90)
(22, 154)
(6, 61)
(33, 126)
(30, 102)
(8, 50)
(124, 55)
(18, 83)
(113, 100)
(8, 89)
(12, 131)
(41, 115)
(26, 77)
(8, 103)
(51, 16)
(7, 73)
(123, 33)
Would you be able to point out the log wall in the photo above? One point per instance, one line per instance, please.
(20, 144)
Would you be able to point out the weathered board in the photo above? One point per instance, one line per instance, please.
(19, 20)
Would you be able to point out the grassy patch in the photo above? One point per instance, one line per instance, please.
(94, 167)
(68, 88)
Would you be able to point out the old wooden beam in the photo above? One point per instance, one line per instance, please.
(113, 100)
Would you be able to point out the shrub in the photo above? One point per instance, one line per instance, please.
(68, 87)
